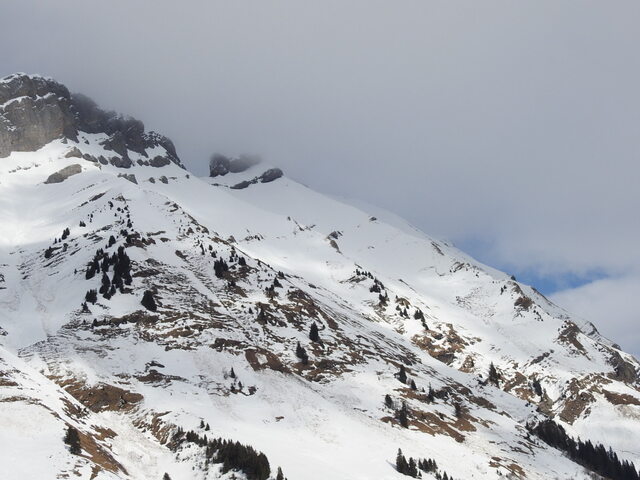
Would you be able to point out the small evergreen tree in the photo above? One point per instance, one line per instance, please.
(459, 409)
(401, 462)
(388, 401)
(402, 374)
(403, 415)
(314, 335)
(148, 301)
(72, 438)
(494, 376)
(301, 353)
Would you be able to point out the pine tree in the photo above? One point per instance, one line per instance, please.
(402, 374)
(401, 462)
(314, 336)
(301, 353)
(280, 475)
(431, 396)
(388, 401)
(494, 376)
(72, 438)
(413, 385)
(148, 301)
(403, 416)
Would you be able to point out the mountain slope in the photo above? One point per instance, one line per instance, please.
(240, 266)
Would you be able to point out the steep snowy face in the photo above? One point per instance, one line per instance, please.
(154, 312)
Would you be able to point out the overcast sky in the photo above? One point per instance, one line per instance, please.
(510, 128)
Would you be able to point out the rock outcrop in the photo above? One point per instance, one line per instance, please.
(220, 165)
(61, 175)
(35, 110)
(268, 176)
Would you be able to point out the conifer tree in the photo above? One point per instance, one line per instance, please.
(148, 301)
(301, 353)
(388, 401)
(403, 416)
(494, 376)
(402, 374)
(72, 438)
(314, 335)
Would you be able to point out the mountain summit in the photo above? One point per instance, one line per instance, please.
(156, 325)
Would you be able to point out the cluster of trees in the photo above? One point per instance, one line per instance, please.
(377, 286)
(596, 457)
(91, 296)
(232, 455)
(383, 299)
(220, 267)
(48, 253)
(418, 315)
(402, 377)
(413, 468)
(102, 261)
(363, 273)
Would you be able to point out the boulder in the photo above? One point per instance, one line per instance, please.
(270, 175)
(61, 175)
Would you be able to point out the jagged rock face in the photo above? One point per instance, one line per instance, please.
(36, 110)
(33, 111)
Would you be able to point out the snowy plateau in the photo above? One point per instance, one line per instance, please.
(157, 325)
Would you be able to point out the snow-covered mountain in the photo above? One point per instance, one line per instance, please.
(143, 309)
